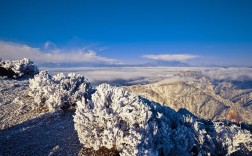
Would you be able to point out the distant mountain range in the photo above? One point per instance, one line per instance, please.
(204, 97)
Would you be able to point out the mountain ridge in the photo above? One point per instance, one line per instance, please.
(199, 94)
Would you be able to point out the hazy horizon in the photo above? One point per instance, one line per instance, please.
(120, 76)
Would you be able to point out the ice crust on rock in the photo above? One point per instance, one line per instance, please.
(58, 91)
(113, 118)
(18, 68)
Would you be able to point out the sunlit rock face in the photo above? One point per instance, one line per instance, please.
(204, 97)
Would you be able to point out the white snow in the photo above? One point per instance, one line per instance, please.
(109, 117)
(113, 118)
(20, 67)
(59, 90)
(231, 138)
(135, 126)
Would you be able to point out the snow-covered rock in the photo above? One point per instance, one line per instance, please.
(18, 68)
(58, 91)
(113, 118)
(233, 138)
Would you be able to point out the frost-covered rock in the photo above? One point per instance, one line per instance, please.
(18, 68)
(58, 91)
(233, 138)
(113, 118)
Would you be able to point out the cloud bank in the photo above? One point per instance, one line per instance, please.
(171, 57)
(142, 75)
(50, 53)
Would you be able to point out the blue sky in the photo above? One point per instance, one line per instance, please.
(210, 31)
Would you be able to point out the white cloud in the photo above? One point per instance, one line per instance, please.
(12, 51)
(171, 57)
(142, 75)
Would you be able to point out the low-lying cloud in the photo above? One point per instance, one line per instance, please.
(13, 51)
(142, 75)
(171, 57)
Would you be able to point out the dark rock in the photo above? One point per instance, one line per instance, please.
(7, 72)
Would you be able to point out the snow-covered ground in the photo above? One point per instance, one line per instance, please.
(25, 131)
(107, 120)
(28, 131)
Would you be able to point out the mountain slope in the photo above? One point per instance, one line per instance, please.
(109, 120)
(200, 95)
(53, 133)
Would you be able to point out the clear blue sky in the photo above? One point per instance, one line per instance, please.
(218, 31)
